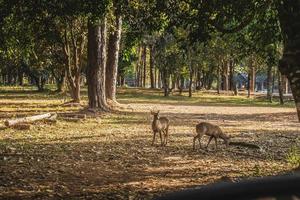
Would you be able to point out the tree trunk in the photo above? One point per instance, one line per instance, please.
(181, 84)
(218, 80)
(252, 76)
(289, 14)
(165, 78)
(248, 85)
(159, 79)
(155, 76)
(96, 66)
(226, 76)
(280, 89)
(191, 81)
(231, 74)
(269, 83)
(144, 65)
(112, 61)
(152, 75)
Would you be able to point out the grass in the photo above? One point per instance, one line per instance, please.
(110, 156)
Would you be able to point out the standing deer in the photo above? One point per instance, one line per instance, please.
(205, 128)
(160, 125)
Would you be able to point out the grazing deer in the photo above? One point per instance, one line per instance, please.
(205, 128)
(160, 125)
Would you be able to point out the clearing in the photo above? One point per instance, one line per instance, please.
(110, 156)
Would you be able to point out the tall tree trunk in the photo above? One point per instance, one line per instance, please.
(269, 83)
(96, 66)
(231, 74)
(289, 15)
(252, 76)
(112, 61)
(155, 77)
(218, 80)
(226, 76)
(191, 81)
(144, 57)
(138, 63)
(159, 78)
(280, 89)
(152, 74)
(249, 85)
(165, 77)
(181, 84)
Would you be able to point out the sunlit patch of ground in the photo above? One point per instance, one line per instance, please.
(111, 157)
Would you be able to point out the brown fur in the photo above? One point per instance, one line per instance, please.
(205, 128)
(160, 125)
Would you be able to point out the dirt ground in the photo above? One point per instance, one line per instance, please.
(110, 156)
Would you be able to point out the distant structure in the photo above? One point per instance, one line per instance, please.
(261, 83)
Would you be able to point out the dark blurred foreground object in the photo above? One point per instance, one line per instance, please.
(286, 187)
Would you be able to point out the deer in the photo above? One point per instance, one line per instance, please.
(160, 125)
(214, 131)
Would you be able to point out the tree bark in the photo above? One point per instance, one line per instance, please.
(144, 57)
(165, 77)
(96, 66)
(152, 74)
(191, 81)
(112, 61)
(289, 65)
(252, 77)
(280, 89)
(269, 83)
(231, 74)
(226, 76)
(218, 80)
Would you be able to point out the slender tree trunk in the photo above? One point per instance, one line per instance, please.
(138, 63)
(181, 84)
(159, 79)
(218, 80)
(231, 75)
(249, 85)
(112, 61)
(96, 66)
(152, 74)
(155, 77)
(191, 81)
(226, 76)
(269, 83)
(280, 89)
(165, 78)
(252, 78)
(144, 65)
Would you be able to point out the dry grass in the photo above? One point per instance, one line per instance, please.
(110, 156)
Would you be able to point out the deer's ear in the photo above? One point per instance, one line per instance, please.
(157, 111)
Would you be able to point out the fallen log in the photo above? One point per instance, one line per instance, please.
(27, 119)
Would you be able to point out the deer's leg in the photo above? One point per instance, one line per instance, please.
(199, 139)
(194, 141)
(161, 142)
(216, 143)
(211, 137)
(166, 136)
(154, 133)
